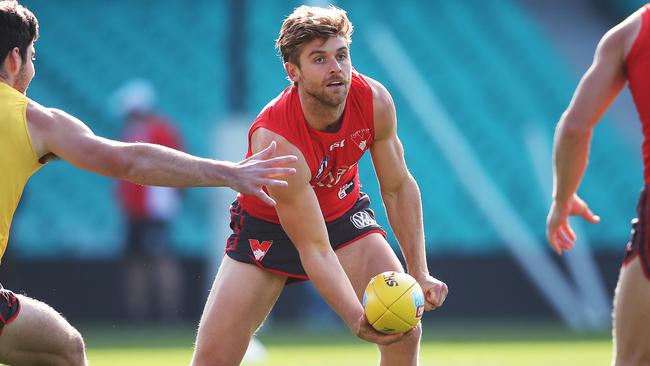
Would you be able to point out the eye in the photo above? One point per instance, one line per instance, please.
(319, 59)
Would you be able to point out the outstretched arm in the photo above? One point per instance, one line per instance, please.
(54, 131)
(401, 196)
(598, 88)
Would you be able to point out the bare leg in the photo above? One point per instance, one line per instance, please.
(241, 298)
(40, 336)
(632, 317)
(361, 261)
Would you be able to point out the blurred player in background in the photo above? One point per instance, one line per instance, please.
(31, 332)
(152, 274)
(329, 118)
(623, 55)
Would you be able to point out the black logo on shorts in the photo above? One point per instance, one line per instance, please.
(346, 189)
(362, 219)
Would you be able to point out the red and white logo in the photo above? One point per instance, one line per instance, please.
(419, 311)
(260, 249)
(360, 138)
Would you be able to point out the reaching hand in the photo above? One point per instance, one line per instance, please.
(435, 292)
(559, 233)
(257, 171)
(365, 331)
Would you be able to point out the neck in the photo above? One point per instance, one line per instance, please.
(320, 116)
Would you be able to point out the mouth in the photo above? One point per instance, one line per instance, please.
(335, 84)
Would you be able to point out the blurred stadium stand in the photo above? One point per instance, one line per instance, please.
(493, 67)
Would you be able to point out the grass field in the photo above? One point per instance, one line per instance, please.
(452, 345)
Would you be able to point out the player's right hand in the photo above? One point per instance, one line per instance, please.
(365, 331)
(559, 233)
(257, 171)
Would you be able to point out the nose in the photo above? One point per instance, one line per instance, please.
(335, 66)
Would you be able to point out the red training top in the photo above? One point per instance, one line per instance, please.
(332, 157)
(638, 74)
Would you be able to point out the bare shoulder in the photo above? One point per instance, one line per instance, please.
(262, 137)
(621, 38)
(39, 122)
(37, 115)
(382, 99)
(384, 109)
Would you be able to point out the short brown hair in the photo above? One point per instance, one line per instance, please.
(18, 28)
(307, 23)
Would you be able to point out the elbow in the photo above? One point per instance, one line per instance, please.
(574, 127)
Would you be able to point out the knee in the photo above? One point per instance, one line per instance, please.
(414, 335)
(75, 350)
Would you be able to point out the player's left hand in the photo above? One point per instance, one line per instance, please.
(559, 233)
(435, 291)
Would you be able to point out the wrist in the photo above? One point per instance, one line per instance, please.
(562, 203)
(221, 173)
(419, 274)
(353, 320)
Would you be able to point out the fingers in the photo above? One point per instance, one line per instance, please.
(264, 154)
(588, 215)
(281, 160)
(273, 183)
(276, 172)
(561, 238)
(435, 296)
(265, 197)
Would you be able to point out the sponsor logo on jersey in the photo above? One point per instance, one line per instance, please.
(322, 167)
(329, 179)
(260, 249)
(337, 144)
(346, 189)
(360, 138)
(362, 219)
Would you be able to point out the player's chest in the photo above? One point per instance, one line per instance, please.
(335, 158)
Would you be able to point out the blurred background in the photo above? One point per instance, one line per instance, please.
(478, 86)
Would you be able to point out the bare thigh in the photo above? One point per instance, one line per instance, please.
(40, 336)
(363, 259)
(632, 316)
(241, 298)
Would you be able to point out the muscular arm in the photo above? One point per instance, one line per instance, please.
(54, 131)
(302, 220)
(597, 89)
(401, 195)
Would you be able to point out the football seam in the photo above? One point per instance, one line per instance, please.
(397, 315)
(387, 307)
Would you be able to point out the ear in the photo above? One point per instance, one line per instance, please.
(293, 72)
(13, 61)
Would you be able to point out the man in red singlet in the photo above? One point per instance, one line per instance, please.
(623, 55)
(322, 228)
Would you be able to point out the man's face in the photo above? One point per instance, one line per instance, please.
(26, 71)
(325, 70)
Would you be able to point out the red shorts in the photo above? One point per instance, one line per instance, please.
(266, 244)
(639, 245)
